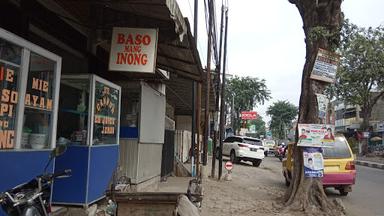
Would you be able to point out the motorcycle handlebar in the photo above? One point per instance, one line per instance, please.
(62, 174)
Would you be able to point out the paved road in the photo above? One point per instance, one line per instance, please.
(367, 197)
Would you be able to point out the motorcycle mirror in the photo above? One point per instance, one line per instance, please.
(59, 150)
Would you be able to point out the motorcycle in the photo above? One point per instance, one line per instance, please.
(280, 152)
(33, 198)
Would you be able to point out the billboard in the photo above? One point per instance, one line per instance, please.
(248, 115)
(133, 50)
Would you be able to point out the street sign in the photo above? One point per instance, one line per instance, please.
(228, 165)
(248, 115)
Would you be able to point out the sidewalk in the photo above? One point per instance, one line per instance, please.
(374, 162)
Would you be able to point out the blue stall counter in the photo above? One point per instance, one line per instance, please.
(92, 171)
(21, 166)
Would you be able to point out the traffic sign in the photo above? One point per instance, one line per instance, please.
(228, 165)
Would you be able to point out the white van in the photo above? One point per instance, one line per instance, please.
(269, 146)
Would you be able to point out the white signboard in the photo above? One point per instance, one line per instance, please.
(325, 66)
(316, 135)
(133, 50)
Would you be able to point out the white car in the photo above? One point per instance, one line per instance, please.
(244, 148)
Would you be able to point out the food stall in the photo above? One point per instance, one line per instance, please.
(29, 81)
(88, 123)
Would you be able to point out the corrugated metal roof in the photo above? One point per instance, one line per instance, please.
(177, 52)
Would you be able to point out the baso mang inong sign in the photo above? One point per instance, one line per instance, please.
(133, 50)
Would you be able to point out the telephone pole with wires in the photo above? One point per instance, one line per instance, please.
(222, 104)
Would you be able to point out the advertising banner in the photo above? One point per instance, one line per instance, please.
(313, 163)
(316, 135)
(133, 50)
(248, 115)
(325, 66)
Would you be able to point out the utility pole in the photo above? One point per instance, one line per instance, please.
(193, 130)
(218, 70)
(222, 105)
(208, 84)
(198, 123)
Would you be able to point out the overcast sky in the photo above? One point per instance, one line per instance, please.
(266, 40)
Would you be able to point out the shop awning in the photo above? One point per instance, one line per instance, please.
(179, 94)
(177, 52)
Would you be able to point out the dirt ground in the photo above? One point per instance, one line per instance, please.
(252, 191)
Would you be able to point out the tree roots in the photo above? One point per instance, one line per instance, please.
(310, 199)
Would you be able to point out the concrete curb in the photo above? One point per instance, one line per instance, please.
(370, 164)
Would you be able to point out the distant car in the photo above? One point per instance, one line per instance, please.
(269, 147)
(244, 148)
(339, 167)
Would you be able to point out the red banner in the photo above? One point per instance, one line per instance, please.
(248, 115)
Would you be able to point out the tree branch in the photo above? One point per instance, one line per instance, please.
(375, 99)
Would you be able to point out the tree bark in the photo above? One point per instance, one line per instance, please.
(307, 194)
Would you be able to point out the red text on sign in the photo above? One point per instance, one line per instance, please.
(132, 58)
(130, 39)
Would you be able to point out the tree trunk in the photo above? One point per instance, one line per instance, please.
(322, 20)
(366, 116)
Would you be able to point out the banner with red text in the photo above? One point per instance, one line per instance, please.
(248, 115)
(316, 135)
(133, 50)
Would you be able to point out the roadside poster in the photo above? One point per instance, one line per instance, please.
(316, 135)
(133, 50)
(322, 104)
(325, 66)
(313, 162)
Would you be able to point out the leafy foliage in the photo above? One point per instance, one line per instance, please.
(282, 114)
(320, 32)
(246, 93)
(259, 125)
(360, 78)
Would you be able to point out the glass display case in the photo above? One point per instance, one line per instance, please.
(88, 123)
(29, 82)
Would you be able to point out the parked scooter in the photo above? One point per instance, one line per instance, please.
(33, 198)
